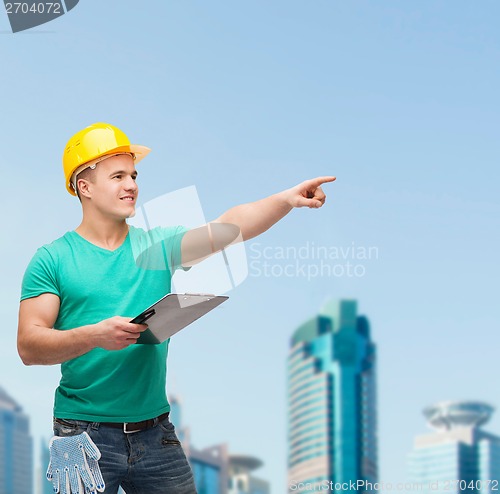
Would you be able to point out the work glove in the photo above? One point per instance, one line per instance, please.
(73, 466)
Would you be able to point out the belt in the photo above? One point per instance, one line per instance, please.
(130, 427)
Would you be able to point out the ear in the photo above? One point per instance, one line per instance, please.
(84, 188)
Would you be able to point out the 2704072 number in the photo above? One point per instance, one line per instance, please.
(471, 485)
(35, 8)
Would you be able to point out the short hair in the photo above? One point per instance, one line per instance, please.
(87, 174)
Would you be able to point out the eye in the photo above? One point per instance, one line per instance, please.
(118, 177)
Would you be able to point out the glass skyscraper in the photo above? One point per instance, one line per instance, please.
(332, 425)
(458, 450)
(16, 457)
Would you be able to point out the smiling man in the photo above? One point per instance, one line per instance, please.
(79, 293)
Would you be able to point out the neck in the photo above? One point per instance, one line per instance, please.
(103, 232)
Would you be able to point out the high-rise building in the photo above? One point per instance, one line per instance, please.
(16, 457)
(332, 426)
(458, 450)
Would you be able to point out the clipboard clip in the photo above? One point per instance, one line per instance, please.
(142, 318)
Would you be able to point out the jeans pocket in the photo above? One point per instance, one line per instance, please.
(67, 428)
(169, 437)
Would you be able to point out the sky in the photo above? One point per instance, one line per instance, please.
(398, 99)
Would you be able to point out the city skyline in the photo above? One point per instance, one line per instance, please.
(338, 335)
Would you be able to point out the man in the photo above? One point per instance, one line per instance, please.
(78, 297)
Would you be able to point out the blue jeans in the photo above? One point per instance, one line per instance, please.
(146, 462)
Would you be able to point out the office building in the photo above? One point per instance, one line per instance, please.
(332, 425)
(16, 458)
(458, 450)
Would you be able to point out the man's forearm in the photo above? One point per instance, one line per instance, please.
(255, 218)
(46, 346)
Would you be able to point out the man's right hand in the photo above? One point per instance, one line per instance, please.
(117, 333)
(40, 344)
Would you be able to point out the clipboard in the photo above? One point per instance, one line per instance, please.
(172, 313)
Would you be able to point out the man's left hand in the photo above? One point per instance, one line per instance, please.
(309, 193)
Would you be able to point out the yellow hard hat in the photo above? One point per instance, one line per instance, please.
(93, 142)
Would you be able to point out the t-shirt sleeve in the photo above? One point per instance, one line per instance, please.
(173, 240)
(40, 276)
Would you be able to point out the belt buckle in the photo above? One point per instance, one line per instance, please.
(125, 431)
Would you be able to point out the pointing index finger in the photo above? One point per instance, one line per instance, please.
(322, 180)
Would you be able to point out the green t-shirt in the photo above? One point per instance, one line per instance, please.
(93, 284)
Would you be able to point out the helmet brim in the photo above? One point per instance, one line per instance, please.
(139, 152)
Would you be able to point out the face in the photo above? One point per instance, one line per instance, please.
(113, 189)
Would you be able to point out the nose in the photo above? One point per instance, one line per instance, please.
(130, 184)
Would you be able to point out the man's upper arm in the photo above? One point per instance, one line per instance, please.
(202, 242)
(38, 311)
(195, 246)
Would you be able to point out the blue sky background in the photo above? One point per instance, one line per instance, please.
(398, 99)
